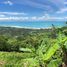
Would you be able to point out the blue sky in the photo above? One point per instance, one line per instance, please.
(33, 10)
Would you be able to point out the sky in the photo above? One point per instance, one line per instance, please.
(33, 10)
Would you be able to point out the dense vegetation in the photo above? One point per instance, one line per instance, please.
(21, 47)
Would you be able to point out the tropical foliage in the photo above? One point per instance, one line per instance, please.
(33, 48)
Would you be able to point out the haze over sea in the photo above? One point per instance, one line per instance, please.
(33, 24)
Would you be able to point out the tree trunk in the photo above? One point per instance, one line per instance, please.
(64, 57)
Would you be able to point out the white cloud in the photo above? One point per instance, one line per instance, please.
(65, 3)
(2, 15)
(63, 10)
(47, 17)
(13, 13)
(14, 17)
(8, 2)
(33, 18)
(42, 18)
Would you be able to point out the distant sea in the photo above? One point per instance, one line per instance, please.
(33, 24)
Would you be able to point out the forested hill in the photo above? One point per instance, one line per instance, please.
(13, 31)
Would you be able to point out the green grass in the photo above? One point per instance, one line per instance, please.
(13, 59)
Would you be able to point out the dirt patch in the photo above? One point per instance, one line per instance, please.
(2, 63)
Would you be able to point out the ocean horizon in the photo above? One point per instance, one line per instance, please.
(33, 24)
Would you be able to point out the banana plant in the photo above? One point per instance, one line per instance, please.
(41, 58)
(59, 43)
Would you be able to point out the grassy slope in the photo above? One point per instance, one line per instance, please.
(13, 59)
